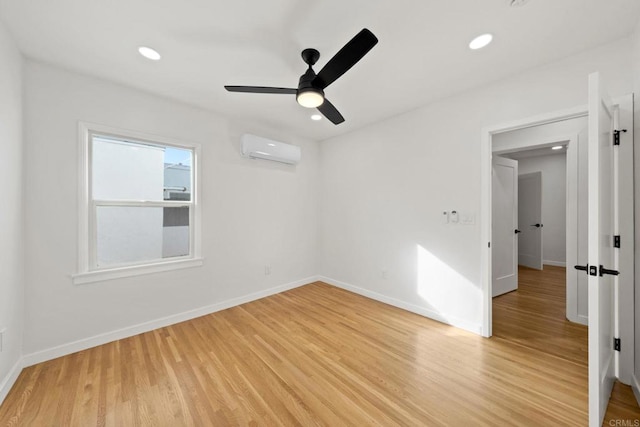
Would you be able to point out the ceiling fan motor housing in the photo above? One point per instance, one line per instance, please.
(306, 85)
(306, 81)
(310, 56)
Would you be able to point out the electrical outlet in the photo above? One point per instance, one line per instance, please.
(267, 270)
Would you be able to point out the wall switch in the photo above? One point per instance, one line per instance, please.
(267, 270)
(384, 274)
(454, 217)
(445, 217)
(2, 338)
(468, 219)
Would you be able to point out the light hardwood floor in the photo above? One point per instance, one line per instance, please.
(534, 317)
(317, 355)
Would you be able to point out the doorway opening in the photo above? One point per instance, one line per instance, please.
(550, 224)
(620, 311)
(489, 146)
(546, 165)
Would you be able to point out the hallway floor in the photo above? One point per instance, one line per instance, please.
(534, 317)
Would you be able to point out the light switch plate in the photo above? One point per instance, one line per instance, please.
(468, 219)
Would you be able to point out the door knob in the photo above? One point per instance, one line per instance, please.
(517, 231)
(591, 270)
(604, 271)
(536, 225)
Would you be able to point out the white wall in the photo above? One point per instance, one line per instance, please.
(636, 143)
(384, 187)
(11, 213)
(554, 204)
(254, 213)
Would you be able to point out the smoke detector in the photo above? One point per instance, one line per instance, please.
(517, 3)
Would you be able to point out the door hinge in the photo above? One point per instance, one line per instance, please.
(616, 136)
(616, 344)
(616, 241)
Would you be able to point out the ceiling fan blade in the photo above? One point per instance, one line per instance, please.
(330, 112)
(261, 89)
(346, 58)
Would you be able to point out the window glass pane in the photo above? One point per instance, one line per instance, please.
(128, 235)
(124, 170)
(175, 232)
(177, 174)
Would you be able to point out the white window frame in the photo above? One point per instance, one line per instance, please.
(88, 271)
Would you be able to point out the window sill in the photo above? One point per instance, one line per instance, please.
(137, 270)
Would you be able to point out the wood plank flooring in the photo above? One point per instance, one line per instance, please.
(318, 355)
(534, 317)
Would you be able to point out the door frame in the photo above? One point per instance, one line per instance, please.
(624, 296)
(624, 299)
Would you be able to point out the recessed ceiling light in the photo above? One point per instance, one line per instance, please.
(316, 117)
(480, 41)
(557, 147)
(149, 53)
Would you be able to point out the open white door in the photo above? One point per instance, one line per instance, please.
(601, 269)
(530, 220)
(504, 200)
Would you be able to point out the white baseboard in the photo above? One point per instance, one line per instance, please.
(582, 320)
(554, 263)
(635, 386)
(83, 344)
(453, 321)
(10, 379)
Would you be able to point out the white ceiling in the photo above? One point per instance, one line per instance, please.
(422, 55)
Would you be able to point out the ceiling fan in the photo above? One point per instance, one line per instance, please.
(310, 91)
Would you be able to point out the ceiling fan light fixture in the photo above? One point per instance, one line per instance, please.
(310, 98)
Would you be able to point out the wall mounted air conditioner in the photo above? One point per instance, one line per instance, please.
(257, 147)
